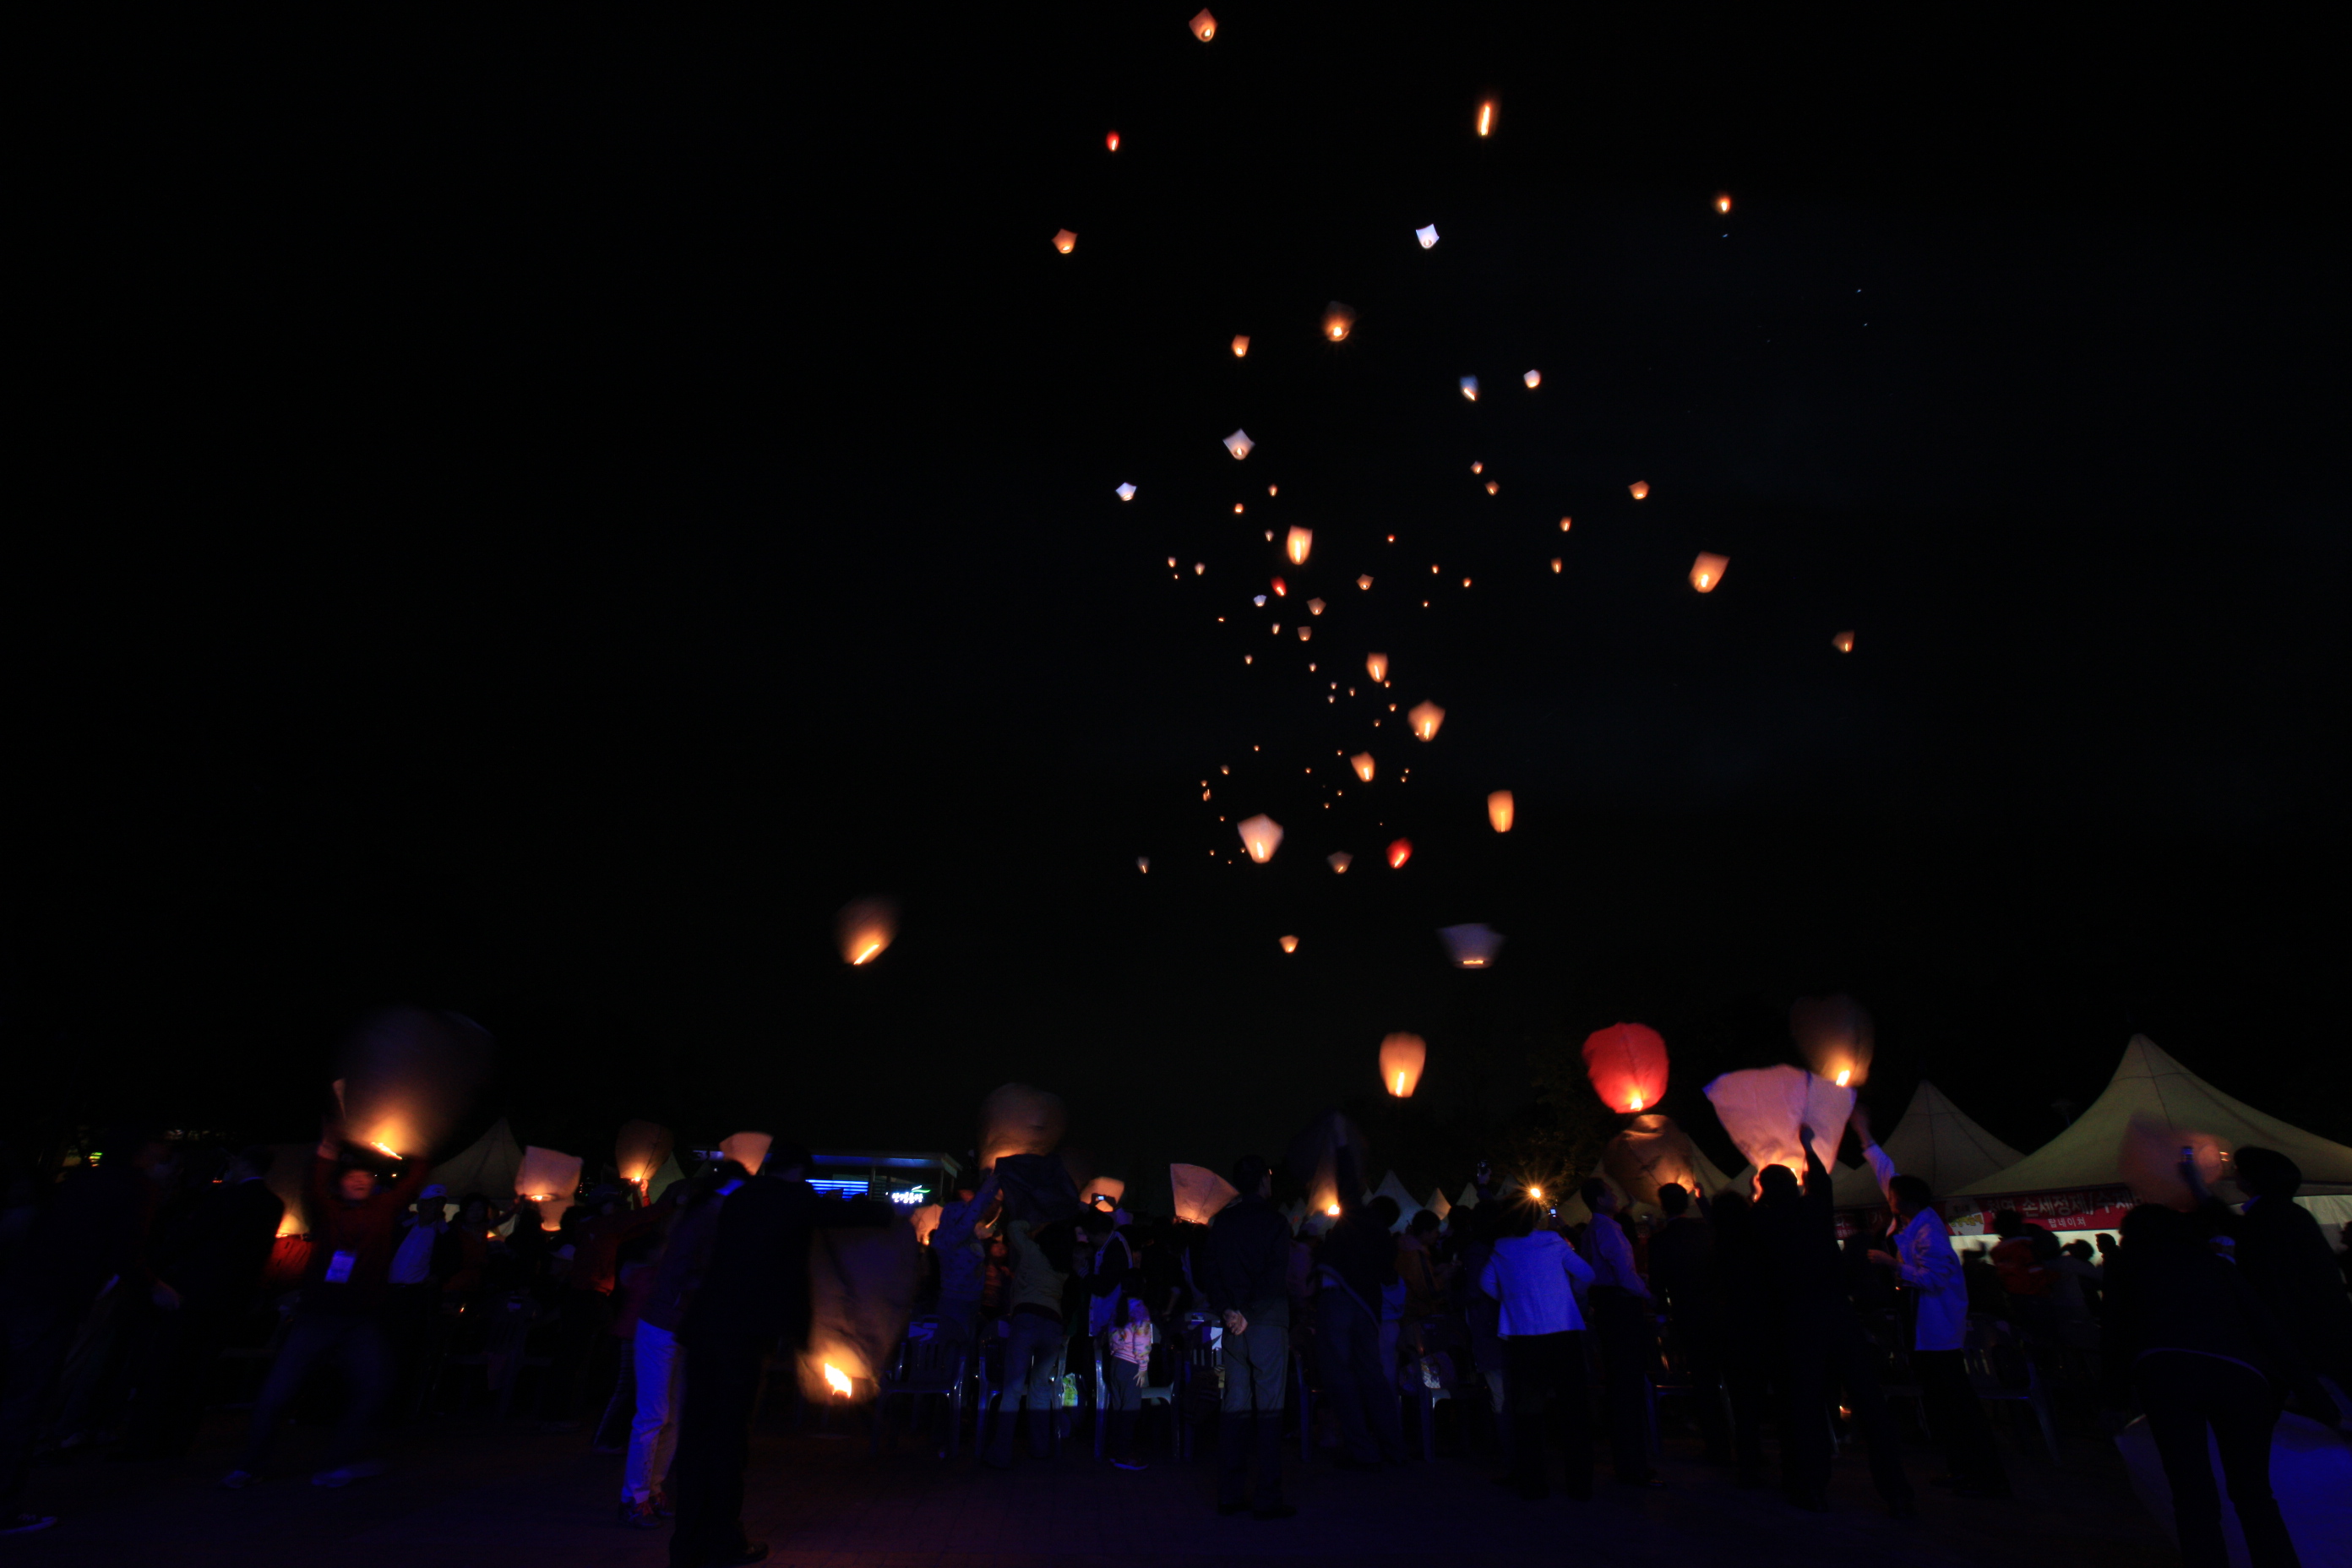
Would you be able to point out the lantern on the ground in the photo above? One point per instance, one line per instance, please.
(1627, 1064)
(1843, 642)
(865, 927)
(1427, 717)
(1835, 1037)
(1400, 851)
(1064, 241)
(1337, 321)
(1239, 444)
(1241, 346)
(1639, 490)
(1498, 810)
(1427, 236)
(1707, 571)
(1297, 546)
(1290, 945)
(1471, 946)
(1340, 860)
(1261, 835)
(1401, 1058)
(1205, 26)
(1376, 665)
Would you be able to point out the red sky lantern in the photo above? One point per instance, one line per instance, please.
(1111, 141)
(1627, 1063)
(1399, 853)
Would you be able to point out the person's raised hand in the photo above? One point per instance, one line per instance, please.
(1859, 1120)
(1805, 1133)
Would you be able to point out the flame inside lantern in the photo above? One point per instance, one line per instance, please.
(1338, 320)
(1707, 571)
(1487, 118)
(865, 927)
(1639, 490)
(1427, 717)
(1064, 241)
(1362, 763)
(1400, 852)
(1297, 546)
(1843, 1075)
(837, 1381)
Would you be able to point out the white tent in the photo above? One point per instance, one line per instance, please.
(1437, 1204)
(2149, 1083)
(1935, 1142)
(1469, 1198)
(1407, 1205)
(487, 1166)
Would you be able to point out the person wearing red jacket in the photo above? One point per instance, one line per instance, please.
(354, 1222)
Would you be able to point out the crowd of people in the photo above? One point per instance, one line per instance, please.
(647, 1328)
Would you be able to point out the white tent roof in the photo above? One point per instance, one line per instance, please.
(1437, 1204)
(1935, 1142)
(2149, 1083)
(488, 1165)
(1407, 1205)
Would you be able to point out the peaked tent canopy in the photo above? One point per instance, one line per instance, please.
(1935, 1142)
(1407, 1205)
(2149, 1083)
(488, 1165)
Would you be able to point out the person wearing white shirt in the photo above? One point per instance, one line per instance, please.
(1923, 1257)
(1537, 1277)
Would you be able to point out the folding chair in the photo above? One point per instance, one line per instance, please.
(925, 1363)
(1978, 1354)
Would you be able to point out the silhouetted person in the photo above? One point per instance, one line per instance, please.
(659, 1360)
(1534, 1276)
(1037, 1331)
(213, 1260)
(1621, 1323)
(2284, 1256)
(1751, 1321)
(1356, 1256)
(1683, 1273)
(1246, 1278)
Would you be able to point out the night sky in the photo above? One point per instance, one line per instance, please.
(535, 523)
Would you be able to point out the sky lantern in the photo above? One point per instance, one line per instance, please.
(1281, 589)
(1314, 606)
(1639, 490)
(1338, 320)
(550, 1179)
(1340, 860)
(1306, 632)
(1534, 379)
(1376, 665)
(1297, 545)
(1111, 141)
(1200, 1192)
(406, 1077)
(1498, 810)
(1471, 946)
(1427, 717)
(749, 1149)
(1627, 1064)
(1834, 1036)
(1487, 118)
(1555, 564)
(1650, 1152)
(1290, 945)
(1723, 201)
(1763, 1108)
(1143, 863)
(1400, 851)
(1064, 241)
(1470, 387)
(1018, 1119)
(1564, 523)
(865, 927)
(1127, 492)
(1205, 26)
(1365, 581)
(1401, 1058)
(1239, 444)
(1362, 763)
(1492, 486)
(1707, 571)
(1843, 642)
(1241, 346)
(2149, 1163)
(1428, 235)
(638, 1150)
(1261, 835)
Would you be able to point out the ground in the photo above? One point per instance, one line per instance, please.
(477, 1492)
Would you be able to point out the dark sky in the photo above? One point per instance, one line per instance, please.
(534, 522)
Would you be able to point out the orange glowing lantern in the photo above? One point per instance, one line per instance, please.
(1111, 141)
(1470, 389)
(1835, 1037)
(1281, 589)
(1471, 946)
(1627, 1064)
(1843, 642)
(749, 1149)
(1340, 860)
(1534, 379)
(1300, 542)
(865, 927)
(1498, 810)
(1487, 118)
(638, 1150)
(1290, 945)
(1400, 852)
(1492, 486)
(926, 1222)
(1205, 26)
(1723, 201)
(1241, 347)
(1639, 490)
(1401, 1058)
(1376, 665)
(1365, 581)
(1427, 717)
(1201, 1193)
(1261, 835)
(1362, 763)
(1064, 241)
(550, 1179)
(1239, 444)
(1314, 606)
(1337, 321)
(1555, 564)
(1765, 1109)
(1306, 632)
(1143, 862)
(1707, 571)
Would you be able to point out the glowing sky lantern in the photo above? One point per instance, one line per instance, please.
(1297, 545)
(1111, 141)
(1400, 851)
(1239, 444)
(1487, 118)
(1365, 581)
(1564, 524)
(1205, 26)
(865, 927)
(1064, 241)
(1241, 346)
(1470, 387)
(1200, 1192)
(406, 1077)
(1471, 946)
(1314, 606)
(1835, 1037)
(1707, 571)
(1639, 490)
(1555, 564)
(550, 1179)
(1261, 835)
(1376, 665)
(1127, 492)
(1306, 632)
(1534, 379)
(1498, 810)
(1290, 945)
(1723, 201)
(1428, 235)
(1763, 1109)
(1427, 717)
(1280, 589)
(1340, 860)
(1018, 1119)
(1338, 320)
(2149, 1162)
(1143, 862)
(1362, 763)
(1627, 1064)
(638, 1150)
(1492, 486)
(1843, 642)
(749, 1149)
(1402, 1057)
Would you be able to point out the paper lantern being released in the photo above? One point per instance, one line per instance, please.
(1471, 946)
(407, 1076)
(1290, 945)
(1241, 347)
(1707, 571)
(1843, 642)
(1064, 241)
(1018, 1120)
(550, 1179)
(1470, 387)
(1427, 717)
(2149, 1162)
(1362, 763)
(926, 1222)
(1534, 379)
(1428, 236)
(1201, 1193)
(1400, 851)
(1339, 860)
(1651, 1152)
(1401, 1058)
(865, 928)
(1337, 321)
(1498, 810)
(749, 1149)
(1239, 444)
(1639, 490)
(1627, 1064)
(638, 1150)
(1376, 665)
(1834, 1034)
(1297, 546)
(1205, 26)
(1261, 835)
(1127, 492)
(1762, 1109)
